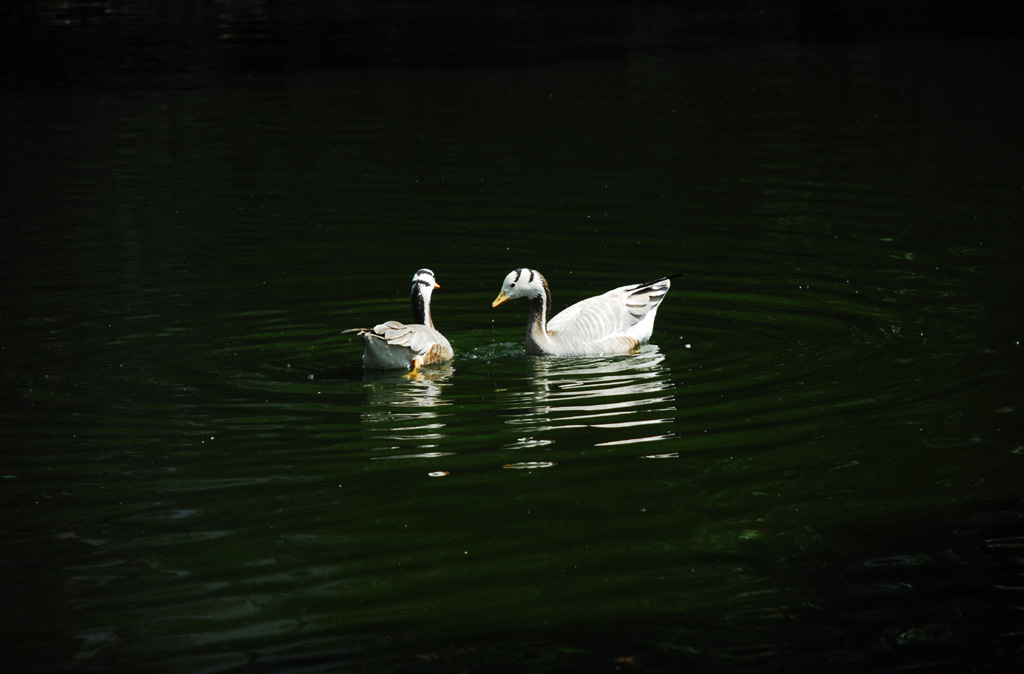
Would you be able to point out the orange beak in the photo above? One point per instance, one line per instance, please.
(499, 299)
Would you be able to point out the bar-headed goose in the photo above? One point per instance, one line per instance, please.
(393, 345)
(615, 322)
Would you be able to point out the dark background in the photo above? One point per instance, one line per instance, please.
(203, 194)
(110, 44)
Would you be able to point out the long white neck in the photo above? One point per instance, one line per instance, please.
(537, 321)
(421, 306)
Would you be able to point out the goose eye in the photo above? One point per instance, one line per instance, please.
(512, 285)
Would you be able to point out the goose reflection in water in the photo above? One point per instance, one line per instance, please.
(618, 400)
(407, 413)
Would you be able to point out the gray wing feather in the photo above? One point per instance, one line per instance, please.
(612, 313)
(417, 338)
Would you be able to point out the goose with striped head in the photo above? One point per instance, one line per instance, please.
(613, 323)
(394, 345)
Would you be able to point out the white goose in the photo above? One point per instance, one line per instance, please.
(615, 322)
(393, 345)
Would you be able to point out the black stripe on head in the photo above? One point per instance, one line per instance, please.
(519, 272)
(423, 272)
(531, 275)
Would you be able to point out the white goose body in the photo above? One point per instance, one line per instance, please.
(393, 345)
(613, 323)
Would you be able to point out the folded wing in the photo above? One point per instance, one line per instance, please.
(627, 311)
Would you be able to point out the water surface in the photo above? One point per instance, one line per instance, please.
(815, 463)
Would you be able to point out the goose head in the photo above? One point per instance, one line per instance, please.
(522, 283)
(423, 282)
(423, 285)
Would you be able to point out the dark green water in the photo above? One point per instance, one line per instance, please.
(816, 465)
